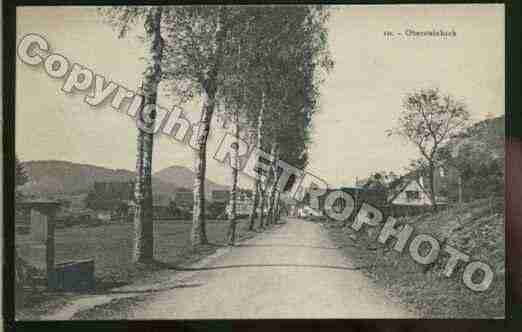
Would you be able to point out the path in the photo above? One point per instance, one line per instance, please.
(291, 271)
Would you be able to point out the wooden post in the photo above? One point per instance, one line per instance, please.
(49, 248)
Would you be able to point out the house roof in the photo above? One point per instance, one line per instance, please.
(398, 186)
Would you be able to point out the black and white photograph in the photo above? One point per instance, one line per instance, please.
(195, 162)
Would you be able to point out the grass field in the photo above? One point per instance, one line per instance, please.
(111, 245)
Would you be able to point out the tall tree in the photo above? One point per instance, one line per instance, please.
(197, 39)
(24, 273)
(428, 120)
(257, 182)
(274, 178)
(233, 93)
(297, 71)
(124, 18)
(234, 107)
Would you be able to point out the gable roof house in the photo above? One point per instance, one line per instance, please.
(409, 194)
(409, 191)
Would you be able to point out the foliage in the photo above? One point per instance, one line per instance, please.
(25, 274)
(216, 210)
(21, 177)
(104, 202)
(428, 120)
(477, 155)
(232, 57)
(179, 212)
(281, 54)
(381, 181)
(123, 17)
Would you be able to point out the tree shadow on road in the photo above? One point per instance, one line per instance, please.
(351, 268)
(145, 291)
(289, 246)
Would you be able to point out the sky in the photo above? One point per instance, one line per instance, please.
(360, 98)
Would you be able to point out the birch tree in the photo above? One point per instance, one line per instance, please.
(124, 18)
(257, 192)
(297, 71)
(197, 38)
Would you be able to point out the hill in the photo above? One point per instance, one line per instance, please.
(48, 177)
(63, 177)
(184, 177)
(478, 156)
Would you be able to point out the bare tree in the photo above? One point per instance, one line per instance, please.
(428, 120)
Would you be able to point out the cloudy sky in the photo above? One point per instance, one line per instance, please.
(361, 98)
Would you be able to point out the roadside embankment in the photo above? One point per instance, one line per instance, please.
(476, 229)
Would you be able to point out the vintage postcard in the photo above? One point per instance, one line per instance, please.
(261, 161)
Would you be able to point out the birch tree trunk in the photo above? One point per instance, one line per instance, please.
(255, 202)
(233, 190)
(262, 193)
(272, 201)
(431, 170)
(143, 224)
(273, 183)
(198, 233)
(208, 83)
(277, 207)
(459, 179)
(257, 184)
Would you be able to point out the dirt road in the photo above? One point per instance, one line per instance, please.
(291, 271)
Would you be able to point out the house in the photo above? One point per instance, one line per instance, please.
(410, 196)
(413, 189)
(410, 192)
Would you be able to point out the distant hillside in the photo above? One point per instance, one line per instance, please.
(184, 177)
(490, 132)
(484, 140)
(53, 176)
(477, 155)
(63, 177)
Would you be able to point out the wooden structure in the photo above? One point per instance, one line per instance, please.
(43, 213)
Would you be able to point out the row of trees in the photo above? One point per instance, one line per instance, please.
(260, 66)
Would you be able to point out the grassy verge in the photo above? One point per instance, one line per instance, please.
(476, 229)
(111, 248)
